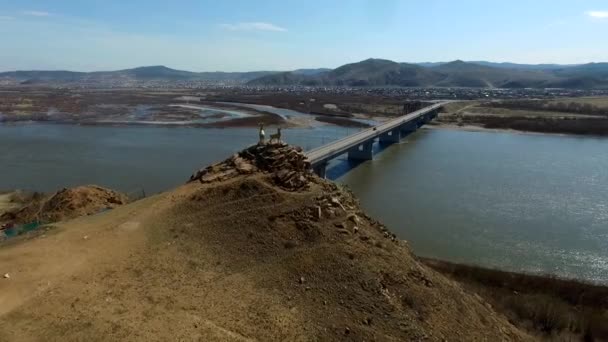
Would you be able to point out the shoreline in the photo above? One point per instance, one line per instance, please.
(545, 305)
(475, 128)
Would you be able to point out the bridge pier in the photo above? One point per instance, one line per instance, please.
(362, 151)
(390, 137)
(320, 169)
(408, 128)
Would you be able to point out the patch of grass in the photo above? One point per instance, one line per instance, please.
(456, 107)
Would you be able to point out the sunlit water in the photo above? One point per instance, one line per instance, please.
(537, 203)
(515, 201)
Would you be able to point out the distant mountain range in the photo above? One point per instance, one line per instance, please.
(381, 72)
(136, 74)
(370, 72)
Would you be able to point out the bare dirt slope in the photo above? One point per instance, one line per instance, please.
(235, 259)
(65, 204)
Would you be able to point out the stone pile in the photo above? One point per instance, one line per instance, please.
(288, 166)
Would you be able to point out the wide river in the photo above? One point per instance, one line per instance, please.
(536, 203)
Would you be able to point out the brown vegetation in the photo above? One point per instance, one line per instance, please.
(573, 116)
(572, 107)
(551, 307)
(345, 105)
(544, 125)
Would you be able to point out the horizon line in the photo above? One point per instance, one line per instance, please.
(289, 70)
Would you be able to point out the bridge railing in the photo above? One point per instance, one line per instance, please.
(376, 131)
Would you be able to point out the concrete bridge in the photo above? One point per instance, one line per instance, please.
(359, 145)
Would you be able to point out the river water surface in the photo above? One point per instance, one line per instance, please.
(529, 202)
(536, 203)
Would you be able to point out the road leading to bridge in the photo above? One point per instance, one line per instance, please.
(358, 145)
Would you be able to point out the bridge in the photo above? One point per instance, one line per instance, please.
(359, 145)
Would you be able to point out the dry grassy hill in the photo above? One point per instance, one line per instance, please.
(267, 252)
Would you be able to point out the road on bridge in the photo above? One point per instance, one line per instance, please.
(331, 150)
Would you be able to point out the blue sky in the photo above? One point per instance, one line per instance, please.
(230, 35)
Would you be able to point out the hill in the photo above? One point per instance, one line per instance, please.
(258, 249)
(379, 72)
(65, 204)
(462, 74)
(368, 73)
(310, 71)
(147, 73)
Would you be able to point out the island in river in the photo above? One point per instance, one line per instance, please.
(163, 108)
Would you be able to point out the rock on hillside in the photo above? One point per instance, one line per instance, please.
(287, 165)
(67, 204)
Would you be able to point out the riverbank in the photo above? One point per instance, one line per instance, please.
(576, 126)
(579, 116)
(551, 307)
(478, 128)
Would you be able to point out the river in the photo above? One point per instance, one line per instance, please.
(536, 203)
(531, 202)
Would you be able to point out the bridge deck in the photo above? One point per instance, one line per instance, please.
(341, 146)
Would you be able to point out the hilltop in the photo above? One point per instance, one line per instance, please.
(253, 248)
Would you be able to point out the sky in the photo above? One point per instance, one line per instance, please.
(231, 35)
